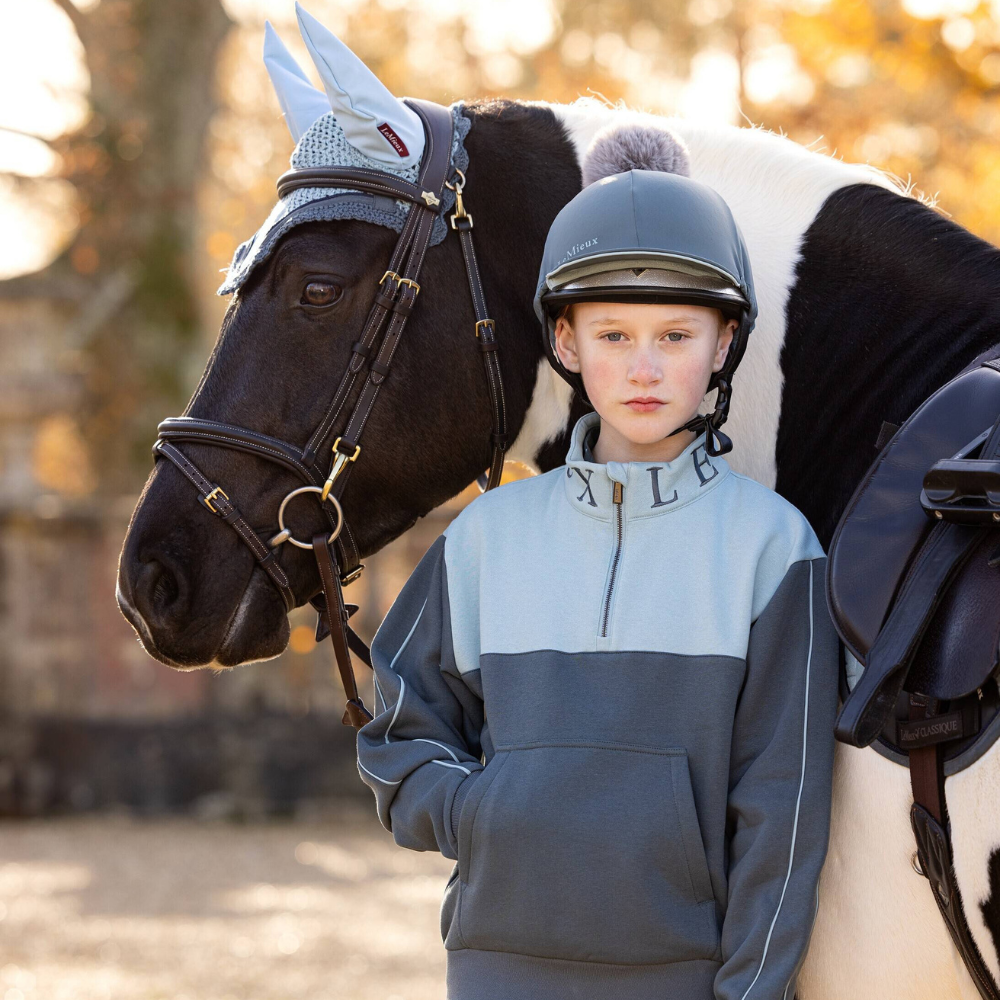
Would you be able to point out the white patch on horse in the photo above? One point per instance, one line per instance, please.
(546, 418)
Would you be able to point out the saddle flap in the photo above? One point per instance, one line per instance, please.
(960, 647)
(884, 524)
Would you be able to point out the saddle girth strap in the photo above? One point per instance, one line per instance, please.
(932, 832)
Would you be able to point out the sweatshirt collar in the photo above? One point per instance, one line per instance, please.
(650, 488)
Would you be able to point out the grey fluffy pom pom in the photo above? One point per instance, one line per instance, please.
(620, 147)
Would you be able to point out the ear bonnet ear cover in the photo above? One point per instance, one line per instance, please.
(357, 122)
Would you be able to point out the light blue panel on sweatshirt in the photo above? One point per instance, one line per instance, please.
(702, 551)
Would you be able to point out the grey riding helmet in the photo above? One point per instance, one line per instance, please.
(650, 236)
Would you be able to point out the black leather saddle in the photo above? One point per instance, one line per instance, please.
(913, 572)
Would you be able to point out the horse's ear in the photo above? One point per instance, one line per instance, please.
(374, 121)
(301, 103)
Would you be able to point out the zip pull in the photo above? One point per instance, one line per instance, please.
(617, 495)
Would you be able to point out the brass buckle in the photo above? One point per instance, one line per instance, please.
(350, 458)
(214, 495)
(339, 461)
(353, 575)
(387, 275)
(411, 283)
(485, 322)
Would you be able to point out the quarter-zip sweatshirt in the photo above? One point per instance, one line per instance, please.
(608, 693)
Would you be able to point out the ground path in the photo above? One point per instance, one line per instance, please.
(114, 908)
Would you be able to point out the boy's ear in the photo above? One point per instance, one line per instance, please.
(725, 339)
(566, 345)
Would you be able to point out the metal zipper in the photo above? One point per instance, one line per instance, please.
(616, 498)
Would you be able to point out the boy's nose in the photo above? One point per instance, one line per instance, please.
(645, 370)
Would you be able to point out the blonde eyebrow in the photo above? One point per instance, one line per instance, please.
(676, 319)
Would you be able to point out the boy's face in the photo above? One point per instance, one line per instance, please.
(645, 366)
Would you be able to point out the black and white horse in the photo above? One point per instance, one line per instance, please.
(868, 301)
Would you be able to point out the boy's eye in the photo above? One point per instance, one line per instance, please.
(615, 336)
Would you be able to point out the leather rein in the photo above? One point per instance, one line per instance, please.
(336, 553)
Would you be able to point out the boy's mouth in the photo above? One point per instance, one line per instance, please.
(644, 404)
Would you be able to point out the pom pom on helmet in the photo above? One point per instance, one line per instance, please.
(631, 146)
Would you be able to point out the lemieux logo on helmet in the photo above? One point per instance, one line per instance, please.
(397, 144)
(576, 248)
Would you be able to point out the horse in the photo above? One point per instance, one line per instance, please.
(869, 300)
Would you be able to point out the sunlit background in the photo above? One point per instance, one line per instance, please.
(139, 144)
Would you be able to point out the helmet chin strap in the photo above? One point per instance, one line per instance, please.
(716, 443)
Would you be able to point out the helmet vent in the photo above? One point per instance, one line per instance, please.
(619, 147)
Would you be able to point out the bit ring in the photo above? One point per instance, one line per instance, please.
(282, 530)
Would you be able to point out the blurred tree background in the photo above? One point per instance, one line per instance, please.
(139, 144)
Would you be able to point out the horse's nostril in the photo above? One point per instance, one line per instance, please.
(164, 590)
(158, 590)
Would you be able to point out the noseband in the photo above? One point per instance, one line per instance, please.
(370, 362)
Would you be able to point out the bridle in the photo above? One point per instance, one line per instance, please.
(336, 553)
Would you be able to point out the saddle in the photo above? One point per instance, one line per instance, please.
(913, 587)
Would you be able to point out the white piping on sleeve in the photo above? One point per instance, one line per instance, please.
(377, 778)
(448, 763)
(392, 665)
(399, 702)
(443, 746)
(798, 800)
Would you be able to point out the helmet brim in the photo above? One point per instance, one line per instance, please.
(731, 304)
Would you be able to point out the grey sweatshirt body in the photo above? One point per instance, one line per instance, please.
(617, 717)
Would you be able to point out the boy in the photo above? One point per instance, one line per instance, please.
(608, 691)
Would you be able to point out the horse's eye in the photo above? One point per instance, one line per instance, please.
(321, 293)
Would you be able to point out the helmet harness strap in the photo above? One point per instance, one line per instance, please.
(716, 443)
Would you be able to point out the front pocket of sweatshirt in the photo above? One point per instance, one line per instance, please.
(587, 851)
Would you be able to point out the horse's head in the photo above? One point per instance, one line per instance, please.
(303, 292)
